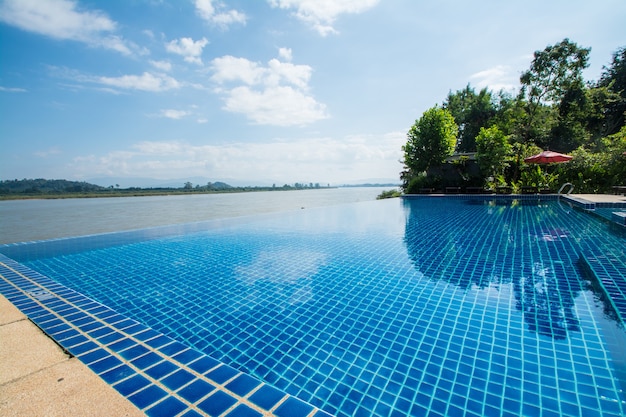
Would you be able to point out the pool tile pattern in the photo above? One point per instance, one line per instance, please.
(437, 306)
(160, 376)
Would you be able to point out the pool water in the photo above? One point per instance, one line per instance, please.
(415, 306)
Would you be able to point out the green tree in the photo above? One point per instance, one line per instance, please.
(570, 129)
(555, 74)
(596, 171)
(429, 141)
(493, 151)
(471, 112)
(613, 78)
(601, 115)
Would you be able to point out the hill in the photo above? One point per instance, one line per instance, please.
(43, 186)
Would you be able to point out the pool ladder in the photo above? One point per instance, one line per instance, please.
(571, 188)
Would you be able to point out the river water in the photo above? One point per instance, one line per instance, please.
(28, 220)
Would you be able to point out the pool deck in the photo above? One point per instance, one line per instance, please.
(37, 377)
(600, 198)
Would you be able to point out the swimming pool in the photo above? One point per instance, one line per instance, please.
(415, 306)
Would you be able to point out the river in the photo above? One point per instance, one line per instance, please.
(28, 220)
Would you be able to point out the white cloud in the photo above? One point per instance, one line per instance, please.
(144, 82)
(208, 12)
(48, 152)
(229, 68)
(174, 114)
(162, 65)
(285, 53)
(321, 14)
(12, 89)
(279, 106)
(62, 19)
(327, 160)
(188, 48)
(276, 94)
(159, 148)
(500, 77)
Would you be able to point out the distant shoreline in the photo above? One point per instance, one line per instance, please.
(140, 192)
(135, 193)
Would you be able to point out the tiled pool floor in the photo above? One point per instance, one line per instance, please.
(160, 376)
(447, 329)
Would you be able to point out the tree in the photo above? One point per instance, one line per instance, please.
(471, 112)
(493, 151)
(613, 78)
(430, 140)
(554, 74)
(554, 71)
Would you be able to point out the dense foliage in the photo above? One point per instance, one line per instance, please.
(43, 186)
(554, 109)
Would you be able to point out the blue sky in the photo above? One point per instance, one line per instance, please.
(257, 91)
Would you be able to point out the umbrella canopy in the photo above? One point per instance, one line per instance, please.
(547, 157)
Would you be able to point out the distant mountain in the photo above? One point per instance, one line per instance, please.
(128, 182)
(373, 182)
(41, 185)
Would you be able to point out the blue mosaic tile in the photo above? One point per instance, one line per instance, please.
(177, 379)
(162, 369)
(147, 396)
(243, 410)
(168, 407)
(92, 356)
(122, 344)
(293, 407)
(217, 403)
(203, 364)
(173, 349)
(196, 390)
(243, 384)
(222, 374)
(134, 352)
(147, 361)
(192, 413)
(158, 341)
(131, 385)
(78, 350)
(105, 364)
(187, 357)
(435, 306)
(117, 374)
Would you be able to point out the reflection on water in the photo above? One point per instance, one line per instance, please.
(515, 244)
(283, 275)
(547, 305)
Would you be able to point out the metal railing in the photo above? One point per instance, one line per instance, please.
(565, 185)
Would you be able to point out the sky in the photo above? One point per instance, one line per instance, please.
(258, 92)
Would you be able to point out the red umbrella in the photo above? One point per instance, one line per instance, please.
(547, 157)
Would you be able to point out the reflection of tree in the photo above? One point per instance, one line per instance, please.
(547, 304)
(442, 252)
(470, 254)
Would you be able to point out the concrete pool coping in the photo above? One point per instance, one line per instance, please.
(38, 378)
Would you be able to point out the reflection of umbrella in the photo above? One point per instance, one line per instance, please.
(547, 157)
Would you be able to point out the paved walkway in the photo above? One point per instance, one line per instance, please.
(601, 198)
(38, 379)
